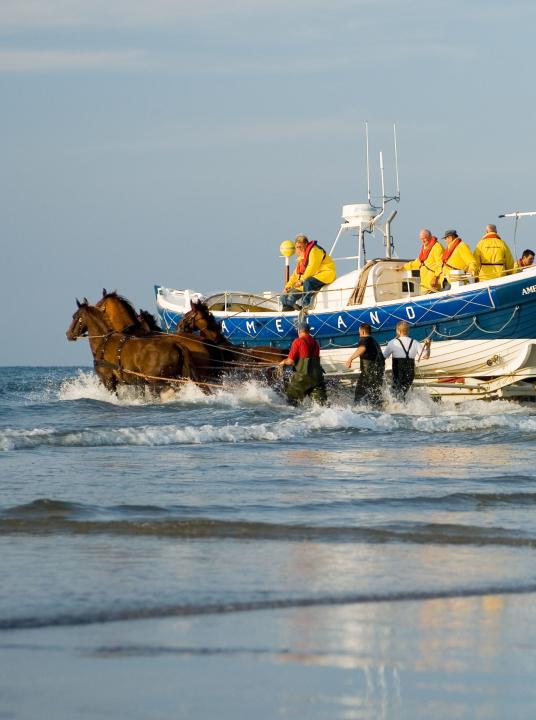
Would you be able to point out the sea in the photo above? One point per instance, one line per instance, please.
(226, 555)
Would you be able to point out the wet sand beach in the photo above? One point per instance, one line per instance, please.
(470, 657)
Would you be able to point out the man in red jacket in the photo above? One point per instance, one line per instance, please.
(308, 376)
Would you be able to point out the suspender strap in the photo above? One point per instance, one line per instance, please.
(406, 352)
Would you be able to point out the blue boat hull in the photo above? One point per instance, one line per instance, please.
(504, 310)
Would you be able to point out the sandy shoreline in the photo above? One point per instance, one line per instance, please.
(444, 658)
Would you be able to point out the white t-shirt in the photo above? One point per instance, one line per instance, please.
(413, 347)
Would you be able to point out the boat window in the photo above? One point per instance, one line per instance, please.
(241, 302)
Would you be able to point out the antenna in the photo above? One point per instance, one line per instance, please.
(397, 196)
(368, 164)
(382, 179)
(517, 215)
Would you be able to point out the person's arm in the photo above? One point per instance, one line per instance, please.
(292, 281)
(508, 260)
(434, 262)
(411, 265)
(357, 353)
(424, 350)
(388, 350)
(468, 259)
(477, 259)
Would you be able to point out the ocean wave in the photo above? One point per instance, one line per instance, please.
(233, 393)
(47, 509)
(306, 421)
(115, 614)
(429, 533)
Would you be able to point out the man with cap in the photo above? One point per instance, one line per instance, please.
(457, 256)
(314, 269)
(308, 376)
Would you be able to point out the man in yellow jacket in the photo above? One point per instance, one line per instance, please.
(492, 256)
(314, 269)
(429, 263)
(456, 256)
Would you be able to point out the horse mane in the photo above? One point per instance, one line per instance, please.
(150, 319)
(203, 307)
(121, 299)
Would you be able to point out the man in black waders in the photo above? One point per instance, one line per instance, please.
(308, 376)
(372, 364)
(404, 350)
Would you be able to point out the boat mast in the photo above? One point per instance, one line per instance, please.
(364, 217)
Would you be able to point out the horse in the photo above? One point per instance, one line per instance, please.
(123, 318)
(126, 359)
(200, 319)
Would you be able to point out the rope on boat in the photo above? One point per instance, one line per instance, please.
(474, 323)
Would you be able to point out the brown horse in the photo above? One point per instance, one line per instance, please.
(122, 317)
(200, 319)
(125, 359)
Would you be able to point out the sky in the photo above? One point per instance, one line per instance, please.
(178, 143)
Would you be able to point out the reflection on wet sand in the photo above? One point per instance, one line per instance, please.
(396, 649)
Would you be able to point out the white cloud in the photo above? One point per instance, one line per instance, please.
(35, 61)
(178, 136)
(66, 13)
(22, 14)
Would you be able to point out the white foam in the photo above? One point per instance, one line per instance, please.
(308, 420)
(86, 385)
(420, 414)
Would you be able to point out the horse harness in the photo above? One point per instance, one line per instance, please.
(102, 363)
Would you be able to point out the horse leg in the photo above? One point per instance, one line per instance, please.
(188, 369)
(110, 383)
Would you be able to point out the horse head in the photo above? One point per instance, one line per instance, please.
(85, 316)
(148, 322)
(78, 326)
(187, 323)
(198, 319)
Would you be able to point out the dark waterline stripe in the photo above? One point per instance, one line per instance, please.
(154, 613)
(211, 529)
(51, 509)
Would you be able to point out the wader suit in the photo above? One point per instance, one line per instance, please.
(404, 350)
(370, 381)
(308, 376)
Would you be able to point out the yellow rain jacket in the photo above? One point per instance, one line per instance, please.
(461, 259)
(318, 264)
(493, 257)
(429, 268)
